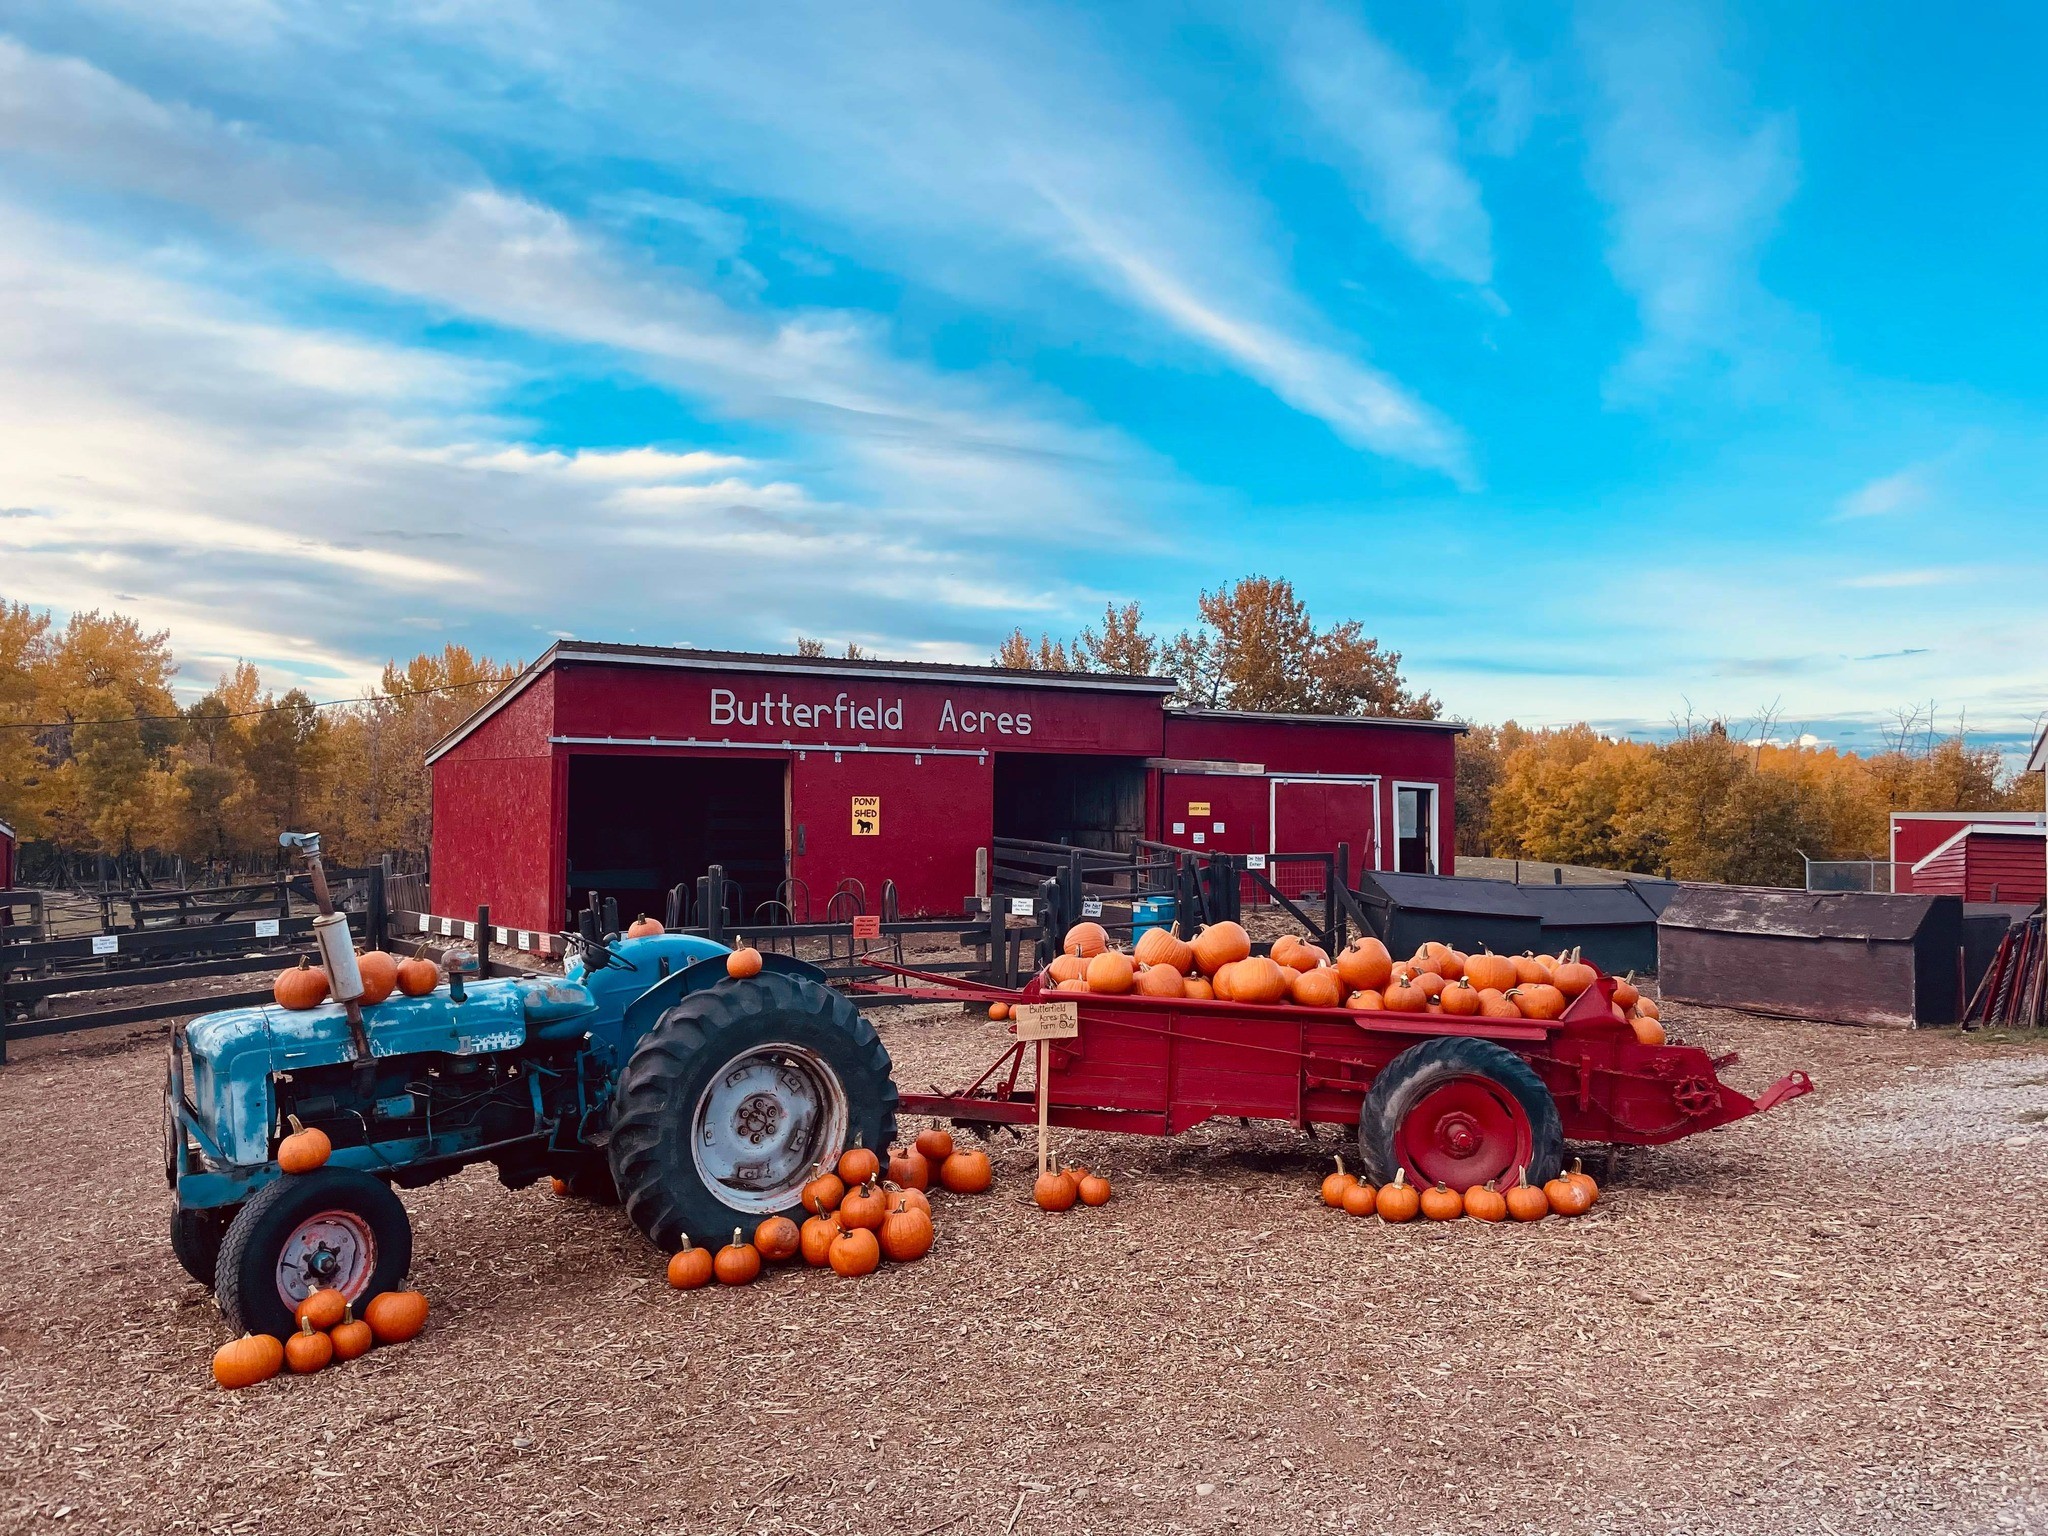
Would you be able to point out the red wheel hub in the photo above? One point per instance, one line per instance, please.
(1464, 1132)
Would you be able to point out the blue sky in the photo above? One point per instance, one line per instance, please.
(1608, 361)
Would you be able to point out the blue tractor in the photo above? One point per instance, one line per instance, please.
(645, 1073)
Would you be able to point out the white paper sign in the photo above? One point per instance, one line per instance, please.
(1217, 828)
(525, 939)
(1179, 827)
(1255, 861)
(1200, 837)
(426, 923)
(447, 927)
(266, 927)
(1022, 906)
(106, 943)
(1091, 908)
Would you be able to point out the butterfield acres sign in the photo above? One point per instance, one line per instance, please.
(845, 713)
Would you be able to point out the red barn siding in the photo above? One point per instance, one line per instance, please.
(1916, 834)
(935, 814)
(1987, 864)
(6, 859)
(498, 817)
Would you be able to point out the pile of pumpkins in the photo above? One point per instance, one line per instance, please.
(328, 1329)
(306, 985)
(862, 1212)
(1218, 964)
(1061, 1189)
(1569, 1194)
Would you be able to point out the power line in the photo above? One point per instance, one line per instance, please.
(243, 714)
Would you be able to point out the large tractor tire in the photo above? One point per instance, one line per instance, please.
(1460, 1112)
(331, 1228)
(735, 1096)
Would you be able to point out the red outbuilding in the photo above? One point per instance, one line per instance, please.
(1916, 834)
(627, 770)
(2001, 860)
(6, 856)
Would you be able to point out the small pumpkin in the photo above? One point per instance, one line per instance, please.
(380, 976)
(906, 1234)
(1334, 1184)
(1071, 986)
(1399, 1200)
(1485, 1202)
(858, 1164)
(323, 1309)
(1257, 980)
(1219, 944)
(1085, 940)
(776, 1239)
(1528, 970)
(998, 1011)
(308, 1350)
(1648, 1030)
(1582, 1180)
(1648, 1008)
(1571, 977)
(1567, 1198)
(909, 1167)
(855, 1251)
(967, 1172)
(395, 1316)
(1319, 988)
(1110, 971)
(1361, 1199)
(1159, 981)
(824, 1192)
(738, 1262)
(1495, 1004)
(1198, 989)
(1294, 952)
(743, 964)
(935, 1144)
(1538, 1000)
(245, 1361)
(305, 1149)
(1159, 946)
(1432, 984)
(1526, 1201)
(1054, 1191)
(418, 976)
(1460, 999)
(690, 1269)
(1365, 965)
(1442, 1203)
(302, 986)
(1403, 995)
(1487, 970)
(905, 1194)
(352, 1336)
(1219, 984)
(863, 1207)
(1067, 968)
(644, 927)
(1093, 1189)
(814, 1241)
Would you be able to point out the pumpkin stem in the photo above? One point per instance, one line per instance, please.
(1400, 1178)
(1340, 1162)
(293, 1122)
(735, 1237)
(305, 1325)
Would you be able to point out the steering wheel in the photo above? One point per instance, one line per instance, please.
(606, 957)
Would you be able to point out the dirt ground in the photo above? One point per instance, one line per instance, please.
(1827, 1320)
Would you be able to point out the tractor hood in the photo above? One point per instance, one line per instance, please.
(233, 1053)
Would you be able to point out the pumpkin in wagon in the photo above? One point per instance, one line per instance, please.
(1110, 971)
(1159, 946)
(1219, 944)
(1086, 940)
(1365, 965)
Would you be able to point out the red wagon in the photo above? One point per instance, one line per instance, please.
(1453, 1100)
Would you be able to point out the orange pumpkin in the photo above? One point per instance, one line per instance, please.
(1398, 1201)
(323, 1309)
(1318, 988)
(906, 1234)
(999, 1011)
(1648, 1031)
(1067, 968)
(1442, 1203)
(1219, 984)
(303, 986)
(1526, 1201)
(644, 927)
(395, 1316)
(308, 1350)
(1370, 1002)
(814, 1241)
(1460, 999)
(306, 1148)
(857, 1164)
(418, 976)
(1647, 1007)
(1538, 1000)
(1072, 986)
(824, 1192)
(245, 1361)
(1567, 1198)
(1486, 970)
(1199, 988)
(1294, 952)
(909, 1168)
(1529, 970)
(738, 1262)
(690, 1269)
(1160, 981)
(855, 1252)
(967, 1173)
(1158, 946)
(743, 964)
(1484, 1202)
(1054, 1191)
(1432, 983)
(1497, 1005)
(1365, 965)
(1257, 980)
(1572, 977)
(777, 1238)
(863, 1207)
(1403, 995)
(1086, 940)
(1361, 1199)
(351, 1336)
(935, 1144)
(1110, 971)
(903, 1194)
(1582, 1180)
(1218, 945)
(380, 976)
(1094, 1189)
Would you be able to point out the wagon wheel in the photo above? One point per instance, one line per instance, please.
(1460, 1112)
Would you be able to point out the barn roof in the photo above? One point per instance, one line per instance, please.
(1799, 914)
(1278, 717)
(1452, 893)
(1588, 906)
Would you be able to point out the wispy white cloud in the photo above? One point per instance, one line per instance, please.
(1394, 141)
(1921, 576)
(1900, 492)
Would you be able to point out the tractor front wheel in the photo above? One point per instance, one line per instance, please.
(196, 1238)
(1460, 1112)
(331, 1229)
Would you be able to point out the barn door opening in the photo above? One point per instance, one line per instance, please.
(1415, 829)
(1051, 797)
(639, 826)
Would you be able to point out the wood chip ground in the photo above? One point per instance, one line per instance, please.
(1827, 1320)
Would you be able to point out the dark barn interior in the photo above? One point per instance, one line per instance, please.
(1091, 802)
(641, 825)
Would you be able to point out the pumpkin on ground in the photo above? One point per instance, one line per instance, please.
(395, 1316)
(1567, 1198)
(1365, 965)
(858, 1164)
(1487, 970)
(1334, 1184)
(303, 986)
(903, 1193)
(1442, 1203)
(690, 1269)
(738, 1262)
(824, 1192)
(1485, 1202)
(856, 1251)
(323, 1309)
(1159, 946)
(1526, 1201)
(1087, 940)
(863, 1207)
(743, 964)
(777, 1238)
(380, 976)
(644, 927)
(1110, 971)
(999, 1011)
(1094, 1189)
(308, 1350)
(967, 1172)
(305, 1149)
(245, 1361)
(1159, 981)
(1319, 988)
(1361, 1199)
(814, 1241)
(1460, 999)
(1398, 1201)
(351, 1336)
(1583, 1180)
(1218, 945)
(418, 976)
(936, 1145)
(1054, 1191)
(1257, 980)
(909, 1167)
(906, 1234)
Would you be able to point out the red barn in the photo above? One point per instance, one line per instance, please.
(1916, 834)
(629, 769)
(2001, 860)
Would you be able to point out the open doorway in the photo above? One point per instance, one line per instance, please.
(1415, 829)
(641, 825)
(1052, 797)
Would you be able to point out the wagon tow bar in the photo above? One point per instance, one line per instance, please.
(337, 949)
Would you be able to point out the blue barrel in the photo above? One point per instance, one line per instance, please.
(1150, 912)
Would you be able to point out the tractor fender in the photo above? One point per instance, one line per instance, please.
(699, 976)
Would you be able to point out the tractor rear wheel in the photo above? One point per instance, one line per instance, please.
(333, 1228)
(196, 1238)
(734, 1097)
(1460, 1112)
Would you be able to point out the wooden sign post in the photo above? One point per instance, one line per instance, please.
(1045, 1022)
